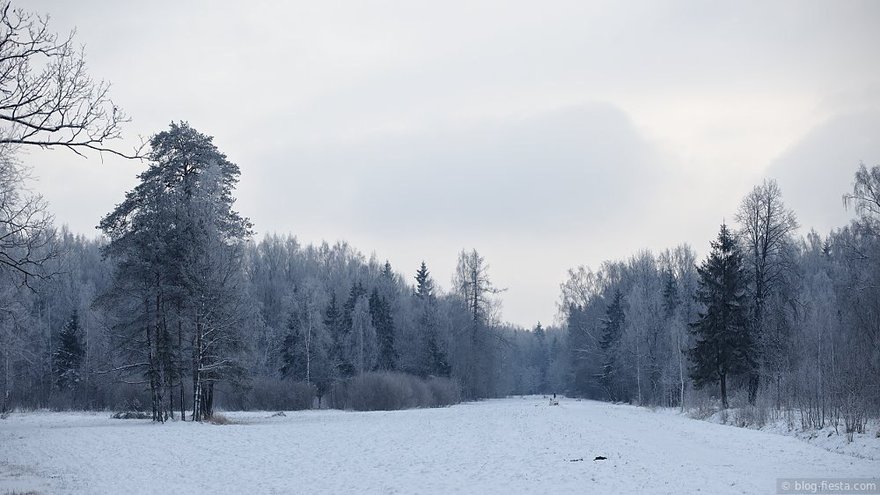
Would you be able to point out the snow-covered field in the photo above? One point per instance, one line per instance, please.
(498, 446)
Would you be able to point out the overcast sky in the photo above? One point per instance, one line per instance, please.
(543, 134)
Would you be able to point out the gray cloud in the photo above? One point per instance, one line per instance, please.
(569, 169)
(816, 172)
(545, 135)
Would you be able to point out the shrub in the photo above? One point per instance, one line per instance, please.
(219, 419)
(444, 391)
(751, 416)
(270, 394)
(388, 391)
(131, 415)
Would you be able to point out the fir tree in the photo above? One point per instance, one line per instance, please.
(334, 320)
(69, 355)
(612, 328)
(380, 312)
(437, 362)
(292, 353)
(722, 341)
(424, 283)
(434, 361)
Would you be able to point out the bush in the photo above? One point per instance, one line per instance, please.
(751, 416)
(131, 415)
(270, 394)
(388, 391)
(444, 391)
(219, 419)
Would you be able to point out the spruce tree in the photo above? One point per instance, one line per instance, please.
(438, 364)
(69, 355)
(292, 351)
(380, 312)
(334, 320)
(670, 294)
(424, 283)
(434, 361)
(612, 329)
(722, 344)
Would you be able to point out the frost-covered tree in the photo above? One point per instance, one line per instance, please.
(361, 345)
(178, 245)
(865, 198)
(477, 292)
(766, 233)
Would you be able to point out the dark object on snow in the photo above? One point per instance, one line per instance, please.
(600, 458)
(576, 460)
(131, 415)
(279, 414)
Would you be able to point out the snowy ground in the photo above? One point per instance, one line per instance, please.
(501, 446)
(865, 445)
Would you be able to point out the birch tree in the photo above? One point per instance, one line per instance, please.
(766, 229)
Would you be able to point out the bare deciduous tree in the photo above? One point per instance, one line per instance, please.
(766, 228)
(865, 198)
(26, 230)
(47, 97)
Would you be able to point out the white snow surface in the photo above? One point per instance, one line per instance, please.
(509, 446)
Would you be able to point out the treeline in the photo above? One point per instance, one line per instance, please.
(177, 302)
(768, 321)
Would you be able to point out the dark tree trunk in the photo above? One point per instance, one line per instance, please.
(723, 382)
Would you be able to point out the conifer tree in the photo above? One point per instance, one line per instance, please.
(334, 321)
(612, 329)
(424, 283)
(722, 344)
(177, 244)
(292, 351)
(380, 313)
(434, 361)
(68, 357)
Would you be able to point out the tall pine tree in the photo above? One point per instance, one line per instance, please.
(177, 244)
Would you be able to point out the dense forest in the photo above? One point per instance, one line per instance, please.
(770, 321)
(178, 308)
(177, 298)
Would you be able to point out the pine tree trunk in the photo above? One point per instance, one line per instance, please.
(159, 370)
(180, 370)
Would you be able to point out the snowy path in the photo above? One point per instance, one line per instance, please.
(501, 446)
